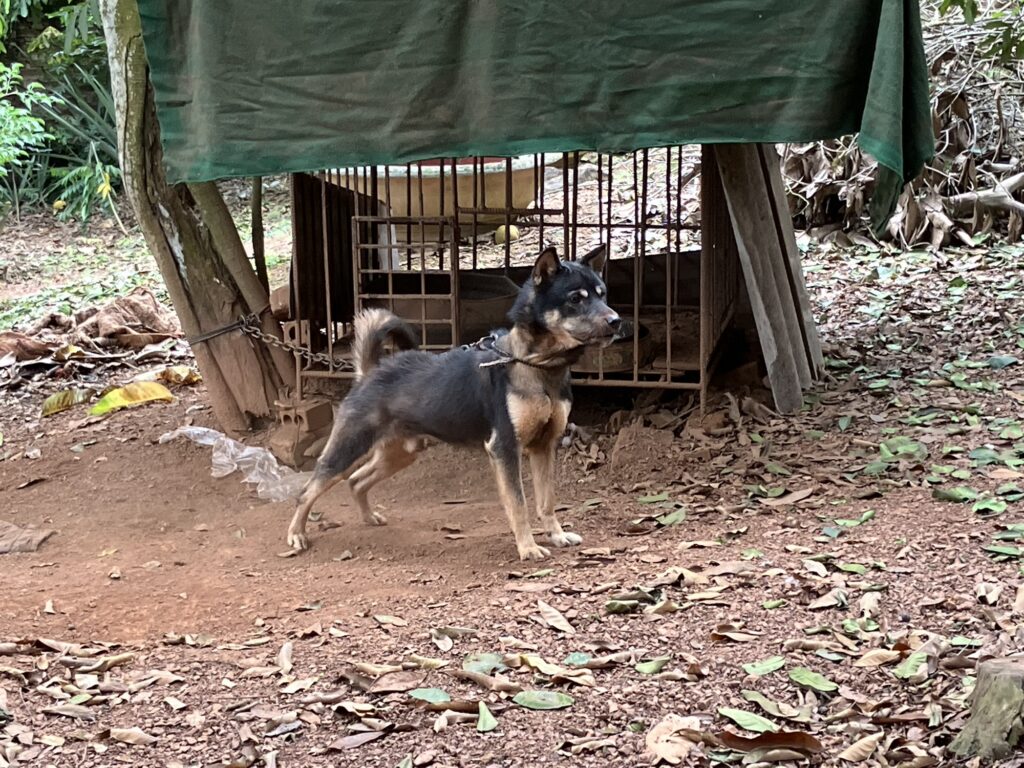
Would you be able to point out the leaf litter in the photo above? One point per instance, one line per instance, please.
(877, 623)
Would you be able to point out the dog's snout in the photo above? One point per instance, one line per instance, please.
(614, 321)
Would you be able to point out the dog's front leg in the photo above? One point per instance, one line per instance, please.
(542, 467)
(504, 454)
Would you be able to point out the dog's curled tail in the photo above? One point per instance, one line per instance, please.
(372, 328)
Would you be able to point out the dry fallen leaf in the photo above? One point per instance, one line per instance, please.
(988, 593)
(76, 711)
(174, 703)
(862, 749)
(877, 657)
(398, 682)
(733, 632)
(672, 739)
(299, 685)
(817, 568)
(135, 736)
(797, 740)
(1018, 601)
(284, 658)
(355, 740)
(787, 499)
(554, 618)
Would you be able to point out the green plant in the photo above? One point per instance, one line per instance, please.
(1002, 20)
(72, 159)
(73, 40)
(10, 12)
(21, 132)
(79, 189)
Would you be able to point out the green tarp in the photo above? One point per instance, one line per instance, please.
(256, 87)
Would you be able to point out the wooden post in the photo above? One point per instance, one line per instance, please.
(794, 270)
(717, 248)
(760, 254)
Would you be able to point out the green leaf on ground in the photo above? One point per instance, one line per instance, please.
(433, 695)
(543, 700)
(909, 666)
(810, 679)
(654, 498)
(748, 720)
(654, 666)
(485, 721)
(959, 495)
(989, 507)
(765, 666)
(484, 663)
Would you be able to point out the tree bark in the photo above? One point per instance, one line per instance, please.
(193, 241)
(997, 711)
(259, 255)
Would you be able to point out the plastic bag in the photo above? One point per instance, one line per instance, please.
(273, 481)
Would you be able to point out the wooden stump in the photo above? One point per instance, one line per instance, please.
(997, 711)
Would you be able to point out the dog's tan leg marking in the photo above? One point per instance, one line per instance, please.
(387, 460)
(542, 467)
(510, 490)
(317, 487)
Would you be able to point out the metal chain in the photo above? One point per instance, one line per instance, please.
(250, 326)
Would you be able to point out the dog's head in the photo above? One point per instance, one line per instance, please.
(567, 300)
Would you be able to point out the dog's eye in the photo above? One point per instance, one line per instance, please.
(576, 298)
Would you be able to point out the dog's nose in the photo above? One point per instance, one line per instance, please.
(615, 322)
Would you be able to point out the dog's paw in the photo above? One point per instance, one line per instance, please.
(375, 518)
(298, 541)
(566, 539)
(534, 552)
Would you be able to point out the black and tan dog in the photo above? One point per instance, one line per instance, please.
(510, 394)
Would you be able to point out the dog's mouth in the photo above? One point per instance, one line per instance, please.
(602, 339)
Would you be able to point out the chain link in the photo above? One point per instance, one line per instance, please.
(250, 326)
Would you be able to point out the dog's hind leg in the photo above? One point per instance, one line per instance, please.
(335, 463)
(503, 451)
(542, 467)
(388, 459)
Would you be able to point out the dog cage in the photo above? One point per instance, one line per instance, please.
(445, 244)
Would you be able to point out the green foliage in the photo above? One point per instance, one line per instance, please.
(71, 160)
(83, 117)
(81, 188)
(11, 11)
(1003, 23)
(72, 41)
(21, 132)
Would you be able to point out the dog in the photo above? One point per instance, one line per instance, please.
(509, 393)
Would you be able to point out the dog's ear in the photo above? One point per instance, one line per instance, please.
(546, 266)
(596, 258)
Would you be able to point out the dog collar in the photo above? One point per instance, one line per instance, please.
(489, 343)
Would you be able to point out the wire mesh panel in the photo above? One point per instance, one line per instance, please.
(446, 243)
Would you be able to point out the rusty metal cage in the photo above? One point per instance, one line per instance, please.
(445, 244)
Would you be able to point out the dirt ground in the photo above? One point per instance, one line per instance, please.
(810, 575)
(197, 556)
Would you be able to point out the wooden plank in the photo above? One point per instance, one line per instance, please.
(717, 246)
(794, 269)
(754, 227)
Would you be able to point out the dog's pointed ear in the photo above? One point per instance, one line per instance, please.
(596, 258)
(546, 266)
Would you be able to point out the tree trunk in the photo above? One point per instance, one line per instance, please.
(259, 255)
(997, 711)
(194, 242)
